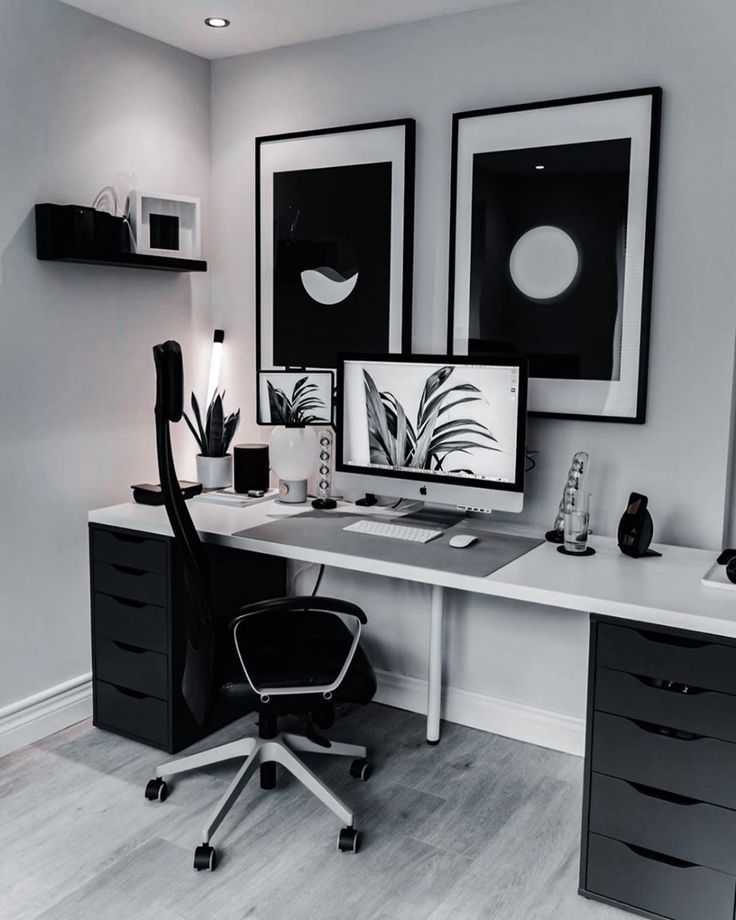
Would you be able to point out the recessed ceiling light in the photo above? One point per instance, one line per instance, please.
(539, 166)
(217, 22)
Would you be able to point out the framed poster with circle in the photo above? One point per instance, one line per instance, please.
(334, 243)
(551, 246)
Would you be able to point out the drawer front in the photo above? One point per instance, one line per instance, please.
(125, 710)
(659, 821)
(130, 583)
(695, 662)
(696, 767)
(138, 552)
(132, 668)
(670, 888)
(131, 622)
(703, 712)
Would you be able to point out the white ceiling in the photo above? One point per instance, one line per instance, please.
(259, 24)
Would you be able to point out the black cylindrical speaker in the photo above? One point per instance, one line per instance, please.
(250, 467)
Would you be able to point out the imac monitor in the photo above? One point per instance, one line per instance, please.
(449, 430)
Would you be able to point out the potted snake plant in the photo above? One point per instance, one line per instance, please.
(214, 437)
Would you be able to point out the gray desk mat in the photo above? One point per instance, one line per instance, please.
(324, 530)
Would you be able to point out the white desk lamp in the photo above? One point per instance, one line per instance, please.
(293, 452)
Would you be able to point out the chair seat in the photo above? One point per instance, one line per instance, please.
(295, 648)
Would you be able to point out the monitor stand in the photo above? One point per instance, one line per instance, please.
(441, 516)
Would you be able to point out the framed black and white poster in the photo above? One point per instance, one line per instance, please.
(334, 243)
(551, 246)
(292, 398)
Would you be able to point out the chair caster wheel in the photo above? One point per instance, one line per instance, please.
(205, 858)
(156, 790)
(348, 840)
(361, 769)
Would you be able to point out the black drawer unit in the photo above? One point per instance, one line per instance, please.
(136, 551)
(684, 658)
(660, 702)
(131, 622)
(139, 630)
(686, 764)
(132, 667)
(130, 583)
(131, 713)
(661, 886)
(659, 808)
(655, 820)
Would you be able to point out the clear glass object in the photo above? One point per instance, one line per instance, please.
(577, 520)
(574, 480)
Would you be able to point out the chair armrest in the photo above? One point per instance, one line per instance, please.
(305, 603)
(302, 602)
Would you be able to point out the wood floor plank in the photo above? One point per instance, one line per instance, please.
(477, 828)
(533, 854)
(66, 823)
(135, 886)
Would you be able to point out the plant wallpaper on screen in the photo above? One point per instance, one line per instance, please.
(297, 409)
(426, 441)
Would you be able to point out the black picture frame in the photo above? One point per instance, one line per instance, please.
(294, 374)
(264, 357)
(636, 409)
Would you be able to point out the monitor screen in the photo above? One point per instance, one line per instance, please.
(446, 419)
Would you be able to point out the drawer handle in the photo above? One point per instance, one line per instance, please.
(659, 857)
(125, 602)
(127, 570)
(670, 686)
(123, 646)
(127, 538)
(677, 641)
(665, 731)
(661, 794)
(134, 693)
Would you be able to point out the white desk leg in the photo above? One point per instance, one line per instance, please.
(434, 681)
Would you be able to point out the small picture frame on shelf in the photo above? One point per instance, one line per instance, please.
(294, 398)
(165, 225)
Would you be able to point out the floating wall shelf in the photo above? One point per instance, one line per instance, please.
(73, 233)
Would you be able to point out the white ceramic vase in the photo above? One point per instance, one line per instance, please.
(215, 472)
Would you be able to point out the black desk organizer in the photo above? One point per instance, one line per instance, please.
(659, 807)
(138, 630)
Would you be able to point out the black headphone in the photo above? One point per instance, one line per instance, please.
(728, 558)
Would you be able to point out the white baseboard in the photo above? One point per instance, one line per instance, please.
(59, 707)
(501, 717)
(44, 713)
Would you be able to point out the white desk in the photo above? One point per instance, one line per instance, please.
(663, 591)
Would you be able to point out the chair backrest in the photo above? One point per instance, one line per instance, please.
(198, 665)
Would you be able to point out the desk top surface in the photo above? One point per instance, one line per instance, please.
(665, 591)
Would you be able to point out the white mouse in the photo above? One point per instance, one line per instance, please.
(461, 540)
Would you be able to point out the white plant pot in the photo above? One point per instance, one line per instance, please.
(215, 472)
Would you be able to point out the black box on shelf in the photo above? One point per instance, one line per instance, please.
(75, 231)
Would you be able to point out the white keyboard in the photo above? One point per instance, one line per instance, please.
(394, 531)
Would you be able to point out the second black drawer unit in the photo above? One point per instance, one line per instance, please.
(659, 809)
(138, 629)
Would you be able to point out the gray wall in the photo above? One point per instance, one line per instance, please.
(534, 50)
(81, 101)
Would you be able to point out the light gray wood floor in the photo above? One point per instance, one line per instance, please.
(477, 828)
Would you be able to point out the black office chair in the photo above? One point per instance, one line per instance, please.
(295, 656)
